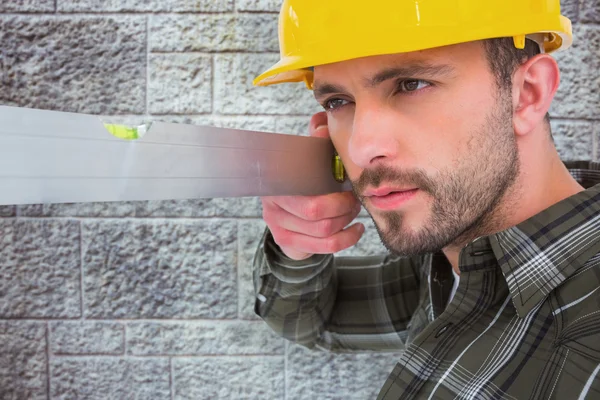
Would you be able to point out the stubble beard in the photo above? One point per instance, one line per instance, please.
(465, 198)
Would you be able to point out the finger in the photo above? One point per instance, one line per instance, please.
(318, 125)
(320, 229)
(295, 244)
(315, 208)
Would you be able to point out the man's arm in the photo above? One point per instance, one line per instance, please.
(337, 304)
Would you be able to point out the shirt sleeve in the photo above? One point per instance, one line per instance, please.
(338, 304)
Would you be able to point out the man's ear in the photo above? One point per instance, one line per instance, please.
(534, 85)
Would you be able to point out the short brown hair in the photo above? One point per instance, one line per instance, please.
(504, 59)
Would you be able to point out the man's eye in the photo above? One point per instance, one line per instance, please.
(334, 104)
(412, 85)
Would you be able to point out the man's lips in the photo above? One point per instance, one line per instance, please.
(385, 190)
(387, 198)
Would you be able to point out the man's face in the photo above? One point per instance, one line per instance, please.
(427, 141)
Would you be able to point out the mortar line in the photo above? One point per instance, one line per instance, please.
(48, 381)
(144, 219)
(285, 371)
(147, 65)
(171, 380)
(237, 268)
(213, 90)
(95, 14)
(595, 143)
(81, 287)
(164, 355)
(124, 340)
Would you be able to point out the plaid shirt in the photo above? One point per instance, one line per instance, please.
(524, 322)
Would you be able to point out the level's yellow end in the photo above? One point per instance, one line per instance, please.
(123, 131)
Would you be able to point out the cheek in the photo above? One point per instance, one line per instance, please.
(447, 128)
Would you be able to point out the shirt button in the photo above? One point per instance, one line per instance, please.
(442, 330)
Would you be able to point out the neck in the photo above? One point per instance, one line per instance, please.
(542, 182)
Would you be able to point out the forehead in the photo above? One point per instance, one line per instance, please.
(462, 56)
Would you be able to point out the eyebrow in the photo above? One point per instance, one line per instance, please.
(420, 70)
(410, 71)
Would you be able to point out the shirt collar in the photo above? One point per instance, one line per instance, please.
(537, 255)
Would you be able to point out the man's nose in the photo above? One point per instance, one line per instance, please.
(374, 137)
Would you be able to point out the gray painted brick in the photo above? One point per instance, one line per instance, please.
(589, 11)
(249, 234)
(235, 94)
(180, 84)
(86, 337)
(244, 32)
(597, 141)
(31, 210)
(27, 6)
(159, 269)
(573, 140)
(94, 210)
(259, 5)
(579, 92)
(293, 125)
(322, 375)
(8, 211)
(109, 378)
(23, 360)
(144, 6)
(570, 9)
(229, 378)
(80, 64)
(218, 207)
(202, 338)
(40, 263)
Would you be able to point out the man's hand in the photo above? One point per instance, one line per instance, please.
(307, 225)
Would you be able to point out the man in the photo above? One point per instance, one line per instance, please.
(439, 112)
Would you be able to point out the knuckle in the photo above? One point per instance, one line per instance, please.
(311, 210)
(332, 245)
(325, 227)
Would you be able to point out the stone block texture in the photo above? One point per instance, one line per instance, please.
(135, 269)
(40, 269)
(109, 378)
(229, 378)
(144, 6)
(23, 360)
(180, 84)
(202, 338)
(86, 337)
(155, 299)
(38, 6)
(8, 211)
(82, 64)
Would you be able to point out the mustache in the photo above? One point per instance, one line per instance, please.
(374, 177)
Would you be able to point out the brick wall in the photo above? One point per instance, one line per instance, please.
(154, 300)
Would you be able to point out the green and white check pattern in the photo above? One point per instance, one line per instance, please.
(524, 323)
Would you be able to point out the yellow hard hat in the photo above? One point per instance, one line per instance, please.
(317, 32)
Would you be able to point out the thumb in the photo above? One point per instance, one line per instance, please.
(318, 125)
